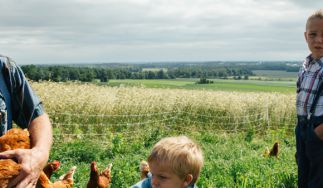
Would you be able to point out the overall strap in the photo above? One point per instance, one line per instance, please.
(316, 98)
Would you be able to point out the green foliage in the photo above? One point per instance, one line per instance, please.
(249, 135)
(135, 71)
(121, 125)
(75, 151)
(230, 159)
(204, 81)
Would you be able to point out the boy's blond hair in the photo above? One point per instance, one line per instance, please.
(315, 15)
(182, 155)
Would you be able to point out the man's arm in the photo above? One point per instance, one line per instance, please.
(32, 160)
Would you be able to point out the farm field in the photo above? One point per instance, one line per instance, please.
(120, 125)
(274, 74)
(218, 85)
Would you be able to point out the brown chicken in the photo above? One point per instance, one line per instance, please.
(51, 167)
(8, 170)
(99, 180)
(64, 181)
(144, 169)
(273, 152)
(13, 139)
(48, 170)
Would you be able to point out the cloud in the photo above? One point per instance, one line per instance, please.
(152, 30)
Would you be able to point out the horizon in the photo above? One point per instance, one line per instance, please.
(163, 62)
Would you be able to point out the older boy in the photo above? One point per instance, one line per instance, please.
(175, 162)
(309, 104)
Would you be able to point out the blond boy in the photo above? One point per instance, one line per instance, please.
(309, 105)
(175, 162)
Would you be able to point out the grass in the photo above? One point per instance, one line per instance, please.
(121, 124)
(218, 85)
(231, 159)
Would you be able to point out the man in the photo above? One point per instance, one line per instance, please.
(19, 103)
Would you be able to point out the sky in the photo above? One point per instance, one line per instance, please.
(108, 31)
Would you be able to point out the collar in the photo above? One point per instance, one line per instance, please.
(3, 58)
(309, 60)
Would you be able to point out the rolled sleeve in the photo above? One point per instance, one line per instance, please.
(26, 105)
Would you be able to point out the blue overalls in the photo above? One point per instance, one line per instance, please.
(309, 149)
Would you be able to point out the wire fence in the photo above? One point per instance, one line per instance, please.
(70, 126)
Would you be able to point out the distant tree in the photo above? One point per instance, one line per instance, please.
(203, 80)
(87, 75)
(223, 74)
(102, 75)
(151, 75)
(162, 75)
(74, 74)
(110, 74)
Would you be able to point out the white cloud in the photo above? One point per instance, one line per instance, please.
(153, 30)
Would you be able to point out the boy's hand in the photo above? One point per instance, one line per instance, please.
(319, 131)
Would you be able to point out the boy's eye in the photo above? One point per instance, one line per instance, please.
(312, 34)
(162, 177)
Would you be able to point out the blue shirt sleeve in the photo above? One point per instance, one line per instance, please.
(26, 105)
(145, 183)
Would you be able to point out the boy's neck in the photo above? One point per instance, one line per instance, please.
(313, 59)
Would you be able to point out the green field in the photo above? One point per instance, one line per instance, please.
(120, 125)
(218, 85)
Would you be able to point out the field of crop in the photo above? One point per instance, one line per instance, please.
(275, 74)
(218, 85)
(120, 125)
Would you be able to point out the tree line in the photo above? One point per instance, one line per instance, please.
(63, 73)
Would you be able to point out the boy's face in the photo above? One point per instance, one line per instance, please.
(164, 177)
(314, 37)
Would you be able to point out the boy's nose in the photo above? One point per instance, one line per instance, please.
(319, 39)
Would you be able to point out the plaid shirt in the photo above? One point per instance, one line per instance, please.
(18, 102)
(309, 78)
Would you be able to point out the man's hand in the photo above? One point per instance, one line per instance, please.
(319, 131)
(32, 162)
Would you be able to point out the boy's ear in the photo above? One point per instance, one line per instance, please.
(188, 180)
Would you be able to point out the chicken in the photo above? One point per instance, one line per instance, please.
(64, 181)
(9, 169)
(273, 152)
(13, 139)
(51, 167)
(266, 153)
(144, 169)
(99, 180)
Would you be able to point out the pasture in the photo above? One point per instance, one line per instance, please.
(120, 125)
(218, 85)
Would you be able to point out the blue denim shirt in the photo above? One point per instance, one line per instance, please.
(146, 183)
(18, 102)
